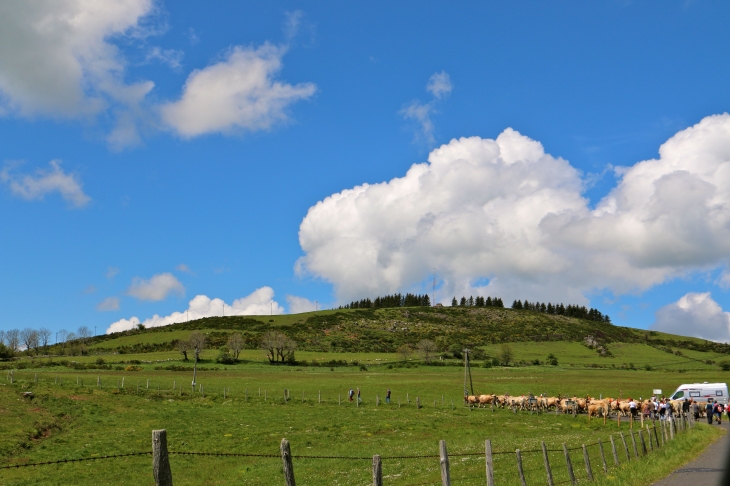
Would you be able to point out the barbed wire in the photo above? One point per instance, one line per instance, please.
(81, 459)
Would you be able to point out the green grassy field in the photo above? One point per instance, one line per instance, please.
(66, 420)
(141, 376)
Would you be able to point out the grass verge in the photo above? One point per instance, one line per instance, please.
(660, 463)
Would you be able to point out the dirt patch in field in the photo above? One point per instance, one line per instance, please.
(76, 397)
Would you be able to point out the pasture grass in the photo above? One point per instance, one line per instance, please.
(70, 421)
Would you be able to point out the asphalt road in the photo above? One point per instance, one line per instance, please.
(707, 469)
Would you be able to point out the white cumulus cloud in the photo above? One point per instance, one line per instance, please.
(695, 314)
(43, 182)
(297, 305)
(237, 93)
(156, 288)
(57, 58)
(259, 302)
(506, 211)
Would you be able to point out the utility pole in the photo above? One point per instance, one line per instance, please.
(433, 290)
(467, 372)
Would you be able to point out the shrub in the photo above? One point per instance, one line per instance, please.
(363, 368)
(133, 368)
(100, 361)
(725, 366)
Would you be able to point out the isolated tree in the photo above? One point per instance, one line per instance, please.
(404, 351)
(29, 338)
(44, 336)
(197, 344)
(12, 339)
(183, 346)
(427, 349)
(505, 354)
(278, 347)
(235, 344)
(454, 303)
(5, 352)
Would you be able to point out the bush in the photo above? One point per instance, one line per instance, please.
(552, 360)
(100, 361)
(133, 368)
(363, 368)
(725, 366)
(648, 367)
(226, 359)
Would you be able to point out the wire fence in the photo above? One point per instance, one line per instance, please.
(554, 465)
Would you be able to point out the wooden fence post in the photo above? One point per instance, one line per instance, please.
(643, 444)
(319, 397)
(377, 400)
(444, 464)
(587, 460)
(626, 448)
(603, 456)
(648, 432)
(633, 442)
(418, 402)
(613, 449)
(377, 471)
(569, 464)
(160, 461)
(489, 462)
(671, 428)
(548, 472)
(519, 467)
(339, 399)
(288, 465)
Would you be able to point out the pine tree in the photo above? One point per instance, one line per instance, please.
(453, 302)
(463, 302)
(488, 302)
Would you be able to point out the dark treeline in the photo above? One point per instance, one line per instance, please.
(388, 301)
(580, 312)
(477, 302)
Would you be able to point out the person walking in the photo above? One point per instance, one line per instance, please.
(695, 409)
(387, 396)
(359, 400)
(718, 412)
(709, 411)
(350, 394)
(632, 408)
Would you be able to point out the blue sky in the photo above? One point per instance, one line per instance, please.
(157, 151)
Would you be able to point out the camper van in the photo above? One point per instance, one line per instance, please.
(702, 392)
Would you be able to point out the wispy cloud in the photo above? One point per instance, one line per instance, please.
(46, 181)
(108, 304)
(439, 85)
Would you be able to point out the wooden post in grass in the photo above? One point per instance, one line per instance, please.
(98, 381)
(626, 448)
(264, 395)
(319, 397)
(519, 467)
(587, 460)
(648, 432)
(148, 383)
(642, 420)
(434, 404)
(452, 405)
(633, 442)
(122, 382)
(444, 463)
(613, 449)
(408, 398)
(339, 399)
(160, 460)
(489, 462)
(377, 471)
(259, 391)
(671, 428)
(618, 419)
(603, 456)
(643, 444)
(442, 399)
(418, 403)
(288, 465)
(174, 384)
(377, 400)
(548, 472)
(569, 464)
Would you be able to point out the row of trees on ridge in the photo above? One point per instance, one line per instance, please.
(388, 301)
(580, 312)
(477, 302)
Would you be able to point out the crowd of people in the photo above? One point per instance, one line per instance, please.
(663, 408)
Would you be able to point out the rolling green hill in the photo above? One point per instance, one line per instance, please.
(532, 336)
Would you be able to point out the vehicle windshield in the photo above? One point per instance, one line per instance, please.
(678, 395)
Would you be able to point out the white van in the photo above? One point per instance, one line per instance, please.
(702, 392)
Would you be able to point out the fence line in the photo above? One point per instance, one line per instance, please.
(561, 468)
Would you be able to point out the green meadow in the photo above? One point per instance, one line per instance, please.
(104, 396)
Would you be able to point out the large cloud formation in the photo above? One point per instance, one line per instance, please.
(259, 302)
(694, 315)
(506, 211)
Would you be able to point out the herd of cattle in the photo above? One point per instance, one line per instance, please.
(594, 407)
